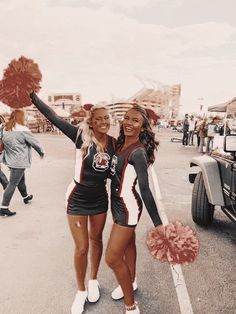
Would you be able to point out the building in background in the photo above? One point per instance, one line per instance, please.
(118, 109)
(67, 101)
(63, 104)
(164, 101)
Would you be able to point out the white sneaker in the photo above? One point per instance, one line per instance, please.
(93, 291)
(118, 294)
(79, 301)
(135, 311)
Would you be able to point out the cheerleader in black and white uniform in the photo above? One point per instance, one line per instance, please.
(135, 152)
(86, 197)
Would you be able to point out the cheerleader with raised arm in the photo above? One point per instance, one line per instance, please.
(87, 198)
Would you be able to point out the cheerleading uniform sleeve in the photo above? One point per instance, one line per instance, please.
(139, 160)
(68, 129)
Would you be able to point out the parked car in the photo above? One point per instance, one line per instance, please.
(214, 184)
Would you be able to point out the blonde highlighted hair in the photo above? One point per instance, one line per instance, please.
(88, 136)
(17, 116)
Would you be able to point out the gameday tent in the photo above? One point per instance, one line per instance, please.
(229, 107)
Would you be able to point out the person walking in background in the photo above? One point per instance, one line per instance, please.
(198, 123)
(17, 140)
(192, 127)
(86, 197)
(202, 134)
(135, 152)
(225, 129)
(185, 130)
(211, 132)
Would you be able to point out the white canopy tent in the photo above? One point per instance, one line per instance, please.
(229, 107)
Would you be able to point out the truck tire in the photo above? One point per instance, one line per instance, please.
(202, 210)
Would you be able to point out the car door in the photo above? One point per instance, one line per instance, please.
(233, 189)
(228, 177)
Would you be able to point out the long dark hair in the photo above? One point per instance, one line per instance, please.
(146, 136)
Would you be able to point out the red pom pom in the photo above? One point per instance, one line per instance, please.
(174, 243)
(21, 78)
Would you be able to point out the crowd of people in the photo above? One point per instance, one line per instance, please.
(205, 131)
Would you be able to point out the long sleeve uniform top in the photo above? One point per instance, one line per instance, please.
(92, 170)
(129, 167)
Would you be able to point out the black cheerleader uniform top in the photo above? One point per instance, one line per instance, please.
(94, 169)
(128, 167)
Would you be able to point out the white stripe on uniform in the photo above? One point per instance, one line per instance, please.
(78, 164)
(69, 190)
(128, 196)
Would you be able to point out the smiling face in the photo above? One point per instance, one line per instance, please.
(100, 121)
(132, 123)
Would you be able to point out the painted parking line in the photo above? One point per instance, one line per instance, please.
(176, 270)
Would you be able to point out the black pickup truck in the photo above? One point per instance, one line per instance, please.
(215, 183)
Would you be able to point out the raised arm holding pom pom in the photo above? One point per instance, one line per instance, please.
(86, 197)
(173, 243)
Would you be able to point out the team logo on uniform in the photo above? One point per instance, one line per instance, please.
(113, 165)
(101, 162)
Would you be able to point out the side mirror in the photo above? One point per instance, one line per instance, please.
(230, 143)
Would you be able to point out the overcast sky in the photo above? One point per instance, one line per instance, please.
(107, 49)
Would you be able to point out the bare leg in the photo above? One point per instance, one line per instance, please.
(79, 229)
(97, 223)
(130, 257)
(119, 240)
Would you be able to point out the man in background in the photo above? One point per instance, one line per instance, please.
(192, 127)
(185, 130)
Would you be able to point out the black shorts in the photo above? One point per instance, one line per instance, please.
(83, 200)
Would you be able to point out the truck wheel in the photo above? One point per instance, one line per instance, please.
(202, 210)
